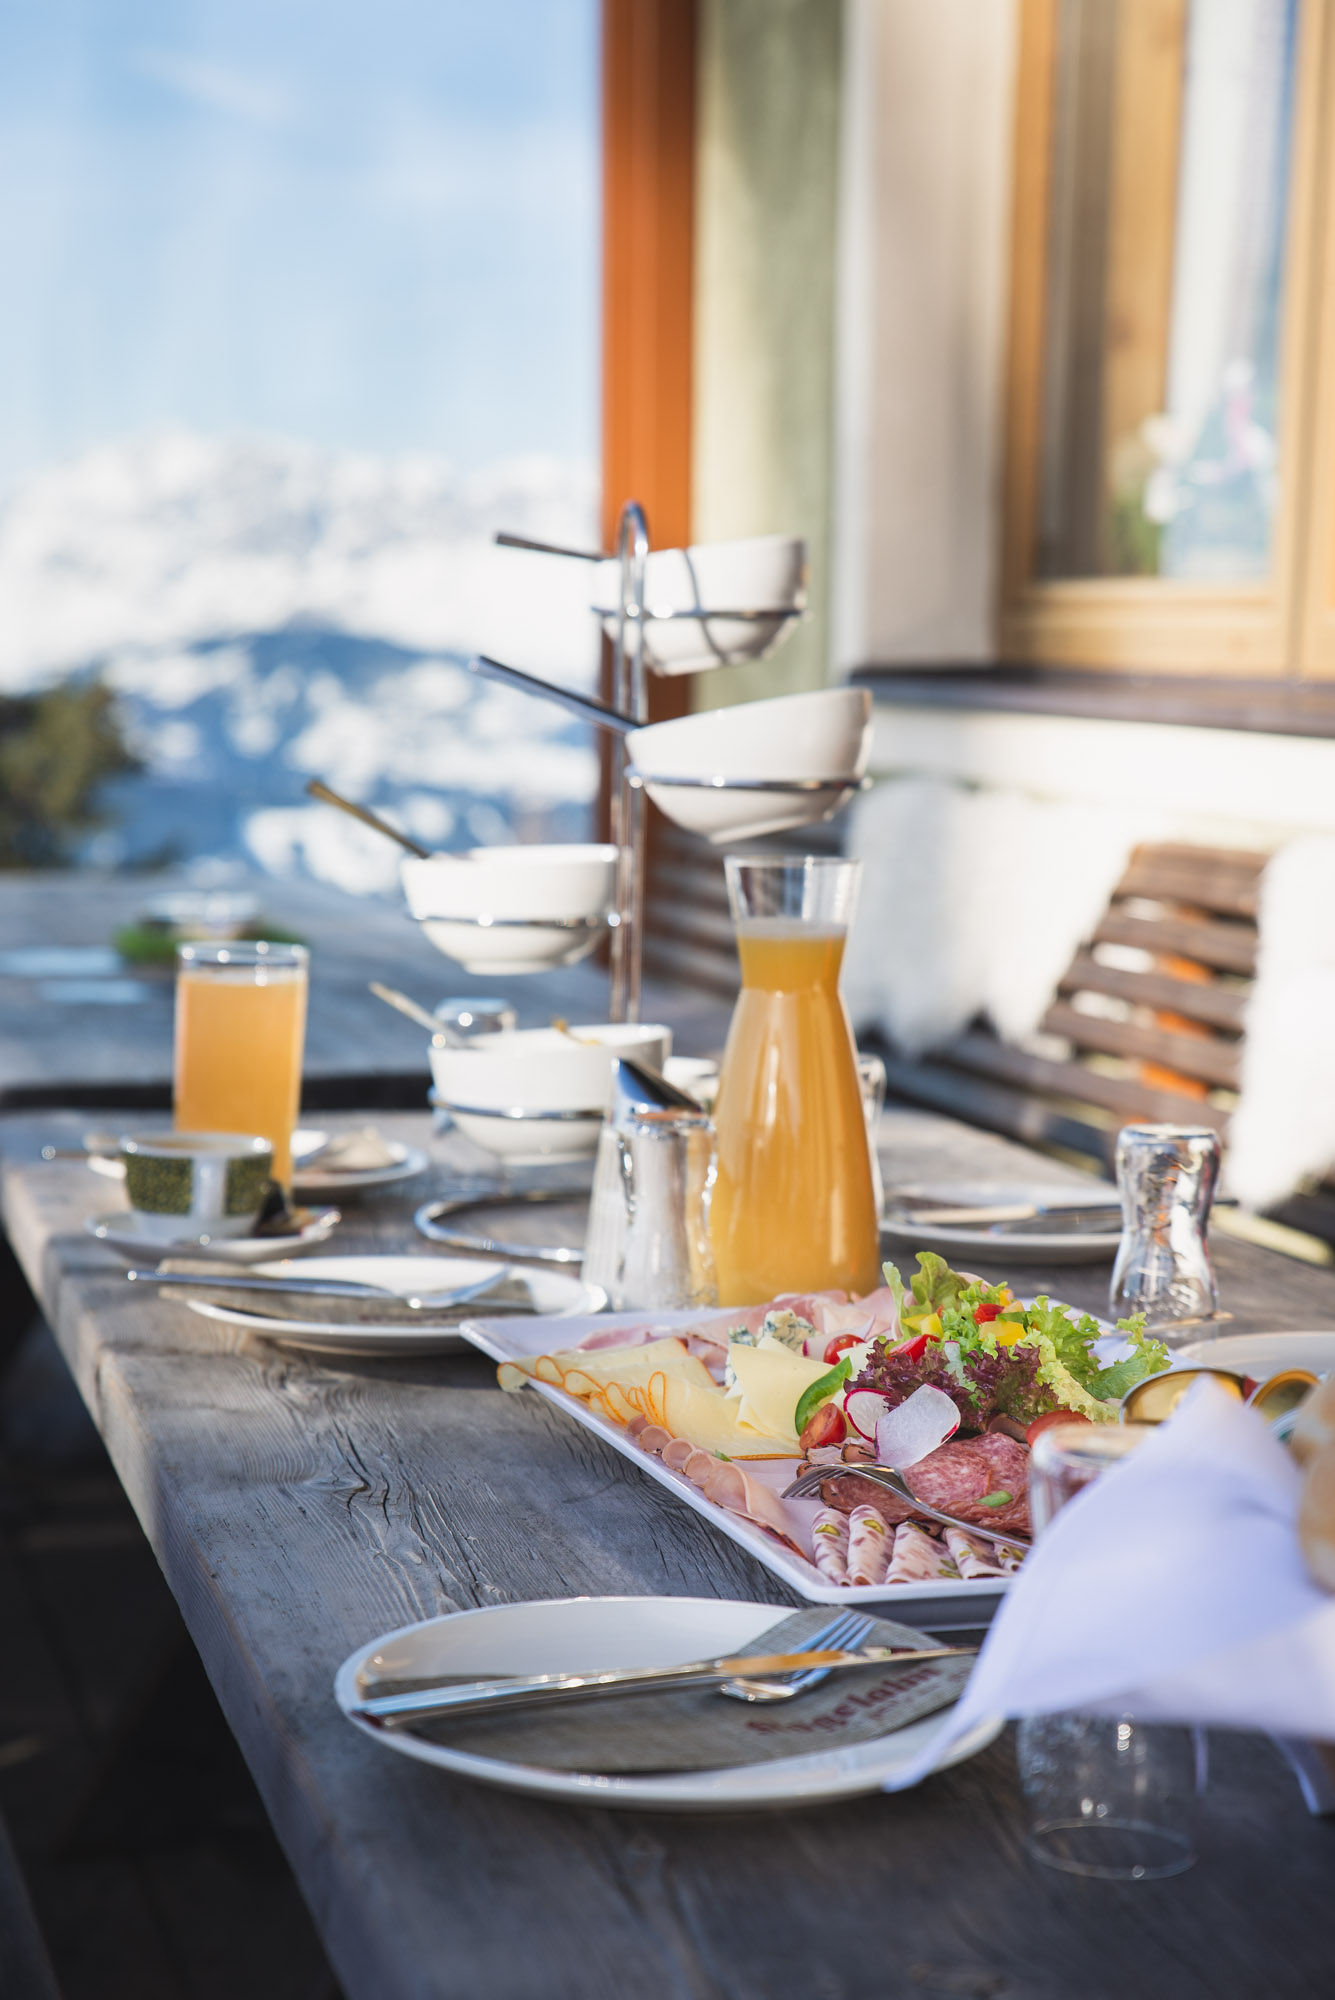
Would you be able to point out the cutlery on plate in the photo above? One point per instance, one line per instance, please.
(327, 1288)
(329, 797)
(401, 1711)
(849, 1630)
(894, 1482)
(929, 1216)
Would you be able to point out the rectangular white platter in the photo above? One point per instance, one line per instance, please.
(941, 1606)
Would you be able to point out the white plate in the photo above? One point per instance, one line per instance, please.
(585, 1632)
(121, 1232)
(1261, 1354)
(951, 1602)
(408, 1160)
(557, 1292)
(996, 1242)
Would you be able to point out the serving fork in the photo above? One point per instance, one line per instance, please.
(811, 1482)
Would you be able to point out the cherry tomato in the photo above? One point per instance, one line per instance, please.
(839, 1345)
(1048, 1419)
(984, 1312)
(826, 1426)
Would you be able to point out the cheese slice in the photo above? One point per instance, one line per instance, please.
(626, 1365)
(708, 1419)
(771, 1381)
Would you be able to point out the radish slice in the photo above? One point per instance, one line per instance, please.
(914, 1427)
(864, 1408)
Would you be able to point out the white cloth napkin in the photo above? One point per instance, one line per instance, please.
(1172, 1589)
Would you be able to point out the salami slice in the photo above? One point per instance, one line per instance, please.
(967, 1476)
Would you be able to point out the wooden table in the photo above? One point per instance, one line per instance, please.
(298, 1508)
(78, 1027)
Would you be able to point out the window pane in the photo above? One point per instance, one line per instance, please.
(300, 304)
(1160, 421)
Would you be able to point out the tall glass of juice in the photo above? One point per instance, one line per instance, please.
(240, 1030)
(793, 1207)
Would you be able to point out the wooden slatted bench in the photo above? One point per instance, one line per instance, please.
(1147, 1021)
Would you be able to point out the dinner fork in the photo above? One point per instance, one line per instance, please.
(846, 1632)
(885, 1475)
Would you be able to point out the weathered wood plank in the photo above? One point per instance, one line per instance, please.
(1215, 1006)
(1222, 880)
(1211, 1061)
(297, 1508)
(1226, 947)
(1132, 1100)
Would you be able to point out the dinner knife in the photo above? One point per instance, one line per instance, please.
(401, 1711)
(330, 1288)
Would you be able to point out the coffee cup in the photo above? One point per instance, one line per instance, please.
(197, 1184)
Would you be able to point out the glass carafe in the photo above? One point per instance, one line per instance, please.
(793, 1207)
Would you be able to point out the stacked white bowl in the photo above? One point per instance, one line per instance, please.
(765, 574)
(502, 910)
(822, 738)
(539, 1094)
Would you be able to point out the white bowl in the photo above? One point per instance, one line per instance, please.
(563, 1085)
(513, 909)
(821, 739)
(766, 573)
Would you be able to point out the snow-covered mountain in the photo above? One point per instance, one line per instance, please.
(268, 610)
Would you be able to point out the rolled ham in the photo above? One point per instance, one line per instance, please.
(829, 1545)
(975, 1559)
(917, 1558)
(868, 1546)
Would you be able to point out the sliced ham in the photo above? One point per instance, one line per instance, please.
(618, 1336)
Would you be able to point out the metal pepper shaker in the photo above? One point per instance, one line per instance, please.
(1167, 1175)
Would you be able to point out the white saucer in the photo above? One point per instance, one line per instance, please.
(122, 1232)
(1261, 1354)
(554, 1292)
(587, 1632)
(1091, 1243)
(408, 1160)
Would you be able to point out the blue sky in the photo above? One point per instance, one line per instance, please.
(370, 224)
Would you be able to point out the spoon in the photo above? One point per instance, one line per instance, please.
(317, 790)
(586, 706)
(403, 1005)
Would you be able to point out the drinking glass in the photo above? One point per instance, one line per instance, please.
(240, 1031)
(794, 1206)
(1167, 1175)
(1107, 1796)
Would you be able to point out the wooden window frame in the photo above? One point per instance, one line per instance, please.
(1150, 624)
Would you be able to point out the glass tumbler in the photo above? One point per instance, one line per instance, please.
(1106, 1796)
(794, 1207)
(240, 1033)
(1167, 1176)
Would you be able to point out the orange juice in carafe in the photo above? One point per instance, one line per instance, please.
(793, 1206)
